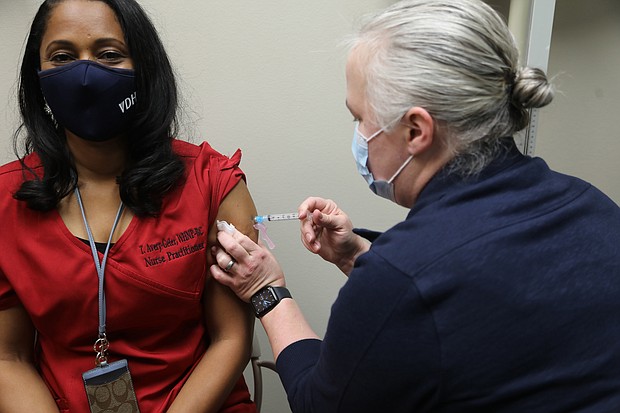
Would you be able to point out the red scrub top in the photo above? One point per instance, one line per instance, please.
(154, 281)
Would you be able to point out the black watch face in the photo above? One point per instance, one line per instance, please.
(263, 301)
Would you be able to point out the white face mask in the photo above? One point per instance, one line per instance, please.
(384, 189)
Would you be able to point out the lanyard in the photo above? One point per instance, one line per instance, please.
(101, 345)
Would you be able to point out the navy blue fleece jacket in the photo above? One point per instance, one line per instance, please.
(499, 293)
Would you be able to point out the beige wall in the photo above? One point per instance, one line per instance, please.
(579, 132)
(268, 77)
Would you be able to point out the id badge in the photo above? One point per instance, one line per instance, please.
(109, 389)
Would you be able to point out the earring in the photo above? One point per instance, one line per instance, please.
(48, 111)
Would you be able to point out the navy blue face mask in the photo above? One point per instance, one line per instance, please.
(93, 101)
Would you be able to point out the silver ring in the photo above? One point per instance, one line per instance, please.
(229, 265)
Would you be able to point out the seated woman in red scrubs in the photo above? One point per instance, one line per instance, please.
(104, 202)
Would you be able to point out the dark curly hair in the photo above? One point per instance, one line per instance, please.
(153, 168)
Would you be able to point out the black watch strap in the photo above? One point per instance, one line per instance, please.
(267, 298)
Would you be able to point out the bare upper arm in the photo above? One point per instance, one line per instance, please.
(16, 335)
(238, 209)
(224, 312)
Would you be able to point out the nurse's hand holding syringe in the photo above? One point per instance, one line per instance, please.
(328, 232)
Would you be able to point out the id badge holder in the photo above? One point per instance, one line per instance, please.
(109, 388)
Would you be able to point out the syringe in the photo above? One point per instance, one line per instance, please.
(276, 217)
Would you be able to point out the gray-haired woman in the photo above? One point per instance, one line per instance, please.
(499, 292)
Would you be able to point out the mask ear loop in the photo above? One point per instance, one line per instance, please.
(400, 169)
(371, 137)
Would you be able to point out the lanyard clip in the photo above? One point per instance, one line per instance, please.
(101, 350)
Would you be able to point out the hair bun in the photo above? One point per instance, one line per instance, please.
(531, 88)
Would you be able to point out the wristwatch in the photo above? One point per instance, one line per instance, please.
(267, 298)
